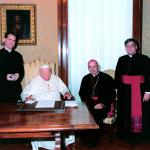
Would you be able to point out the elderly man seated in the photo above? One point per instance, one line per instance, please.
(46, 86)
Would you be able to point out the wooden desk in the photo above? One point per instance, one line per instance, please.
(43, 124)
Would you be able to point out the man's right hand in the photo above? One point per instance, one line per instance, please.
(31, 98)
(11, 77)
(67, 96)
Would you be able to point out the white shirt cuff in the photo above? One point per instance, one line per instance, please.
(147, 92)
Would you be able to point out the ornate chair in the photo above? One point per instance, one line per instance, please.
(32, 69)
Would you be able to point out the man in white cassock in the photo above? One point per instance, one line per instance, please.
(46, 86)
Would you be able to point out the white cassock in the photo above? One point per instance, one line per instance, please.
(46, 90)
(50, 145)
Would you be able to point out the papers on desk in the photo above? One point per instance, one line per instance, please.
(29, 102)
(45, 104)
(70, 103)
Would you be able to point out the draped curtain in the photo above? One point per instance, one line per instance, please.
(97, 30)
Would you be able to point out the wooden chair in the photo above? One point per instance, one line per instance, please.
(32, 69)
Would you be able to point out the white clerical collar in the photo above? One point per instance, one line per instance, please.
(9, 50)
(95, 74)
(130, 56)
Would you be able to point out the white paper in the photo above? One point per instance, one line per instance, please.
(45, 104)
(71, 103)
(29, 102)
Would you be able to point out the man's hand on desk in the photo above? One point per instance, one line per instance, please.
(30, 98)
(67, 96)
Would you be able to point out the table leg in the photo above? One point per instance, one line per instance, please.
(57, 141)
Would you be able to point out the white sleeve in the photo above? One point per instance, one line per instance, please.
(147, 92)
(27, 91)
(62, 87)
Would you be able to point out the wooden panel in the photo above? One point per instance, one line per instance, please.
(137, 21)
(26, 135)
(63, 40)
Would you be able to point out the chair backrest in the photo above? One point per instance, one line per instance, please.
(32, 69)
(110, 72)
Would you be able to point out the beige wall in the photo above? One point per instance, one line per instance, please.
(46, 29)
(146, 28)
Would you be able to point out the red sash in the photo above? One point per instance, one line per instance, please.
(136, 106)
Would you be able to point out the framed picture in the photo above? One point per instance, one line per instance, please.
(18, 18)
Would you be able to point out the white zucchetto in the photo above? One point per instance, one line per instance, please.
(45, 66)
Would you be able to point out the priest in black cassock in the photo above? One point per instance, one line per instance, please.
(132, 78)
(11, 70)
(97, 91)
